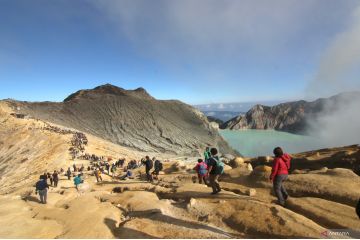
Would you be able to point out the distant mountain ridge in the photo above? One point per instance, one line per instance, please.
(290, 117)
(130, 118)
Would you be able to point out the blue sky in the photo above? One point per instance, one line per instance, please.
(199, 52)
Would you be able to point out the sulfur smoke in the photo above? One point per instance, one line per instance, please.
(339, 71)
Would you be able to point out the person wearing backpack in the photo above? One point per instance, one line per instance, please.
(41, 188)
(215, 169)
(201, 169)
(279, 173)
(157, 168)
(207, 154)
(148, 167)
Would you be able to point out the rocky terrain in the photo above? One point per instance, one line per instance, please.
(323, 188)
(130, 118)
(290, 117)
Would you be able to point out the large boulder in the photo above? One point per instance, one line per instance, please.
(237, 162)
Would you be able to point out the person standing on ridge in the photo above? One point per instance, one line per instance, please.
(279, 173)
(214, 171)
(55, 177)
(41, 188)
(148, 167)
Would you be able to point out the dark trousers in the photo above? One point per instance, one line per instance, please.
(214, 182)
(202, 178)
(148, 175)
(56, 183)
(279, 188)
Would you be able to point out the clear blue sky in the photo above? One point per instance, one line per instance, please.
(199, 51)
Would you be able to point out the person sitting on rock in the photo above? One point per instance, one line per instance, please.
(41, 188)
(279, 173)
(201, 169)
(127, 175)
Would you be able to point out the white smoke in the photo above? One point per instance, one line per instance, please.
(339, 71)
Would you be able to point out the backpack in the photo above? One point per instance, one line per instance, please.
(151, 164)
(202, 169)
(160, 166)
(219, 169)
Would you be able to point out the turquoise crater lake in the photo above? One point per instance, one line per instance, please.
(252, 143)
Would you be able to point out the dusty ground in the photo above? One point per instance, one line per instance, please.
(173, 207)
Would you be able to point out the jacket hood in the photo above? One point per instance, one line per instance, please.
(286, 157)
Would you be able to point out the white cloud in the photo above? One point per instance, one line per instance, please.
(339, 66)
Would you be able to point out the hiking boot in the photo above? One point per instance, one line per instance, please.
(213, 193)
(219, 190)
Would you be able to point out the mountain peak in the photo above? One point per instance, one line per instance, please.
(109, 89)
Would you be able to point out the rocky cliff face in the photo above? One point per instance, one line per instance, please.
(291, 116)
(131, 118)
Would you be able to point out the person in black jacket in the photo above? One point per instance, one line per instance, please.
(41, 188)
(358, 209)
(148, 167)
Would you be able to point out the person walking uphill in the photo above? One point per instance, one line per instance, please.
(279, 174)
(215, 169)
(41, 188)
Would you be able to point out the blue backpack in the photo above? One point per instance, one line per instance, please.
(202, 169)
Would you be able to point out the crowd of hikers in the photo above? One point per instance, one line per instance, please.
(208, 171)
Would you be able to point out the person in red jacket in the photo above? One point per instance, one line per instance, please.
(279, 174)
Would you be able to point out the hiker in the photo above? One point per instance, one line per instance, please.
(215, 169)
(68, 173)
(148, 167)
(74, 166)
(157, 168)
(82, 168)
(207, 154)
(201, 169)
(113, 170)
(97, 174)
(41, 188)
(55, 178)
(49, 176)
(358, 208)
(127, 175)
(279, 174)
(78, 181)
(107, 166)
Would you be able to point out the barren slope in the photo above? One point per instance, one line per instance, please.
(132, 119)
